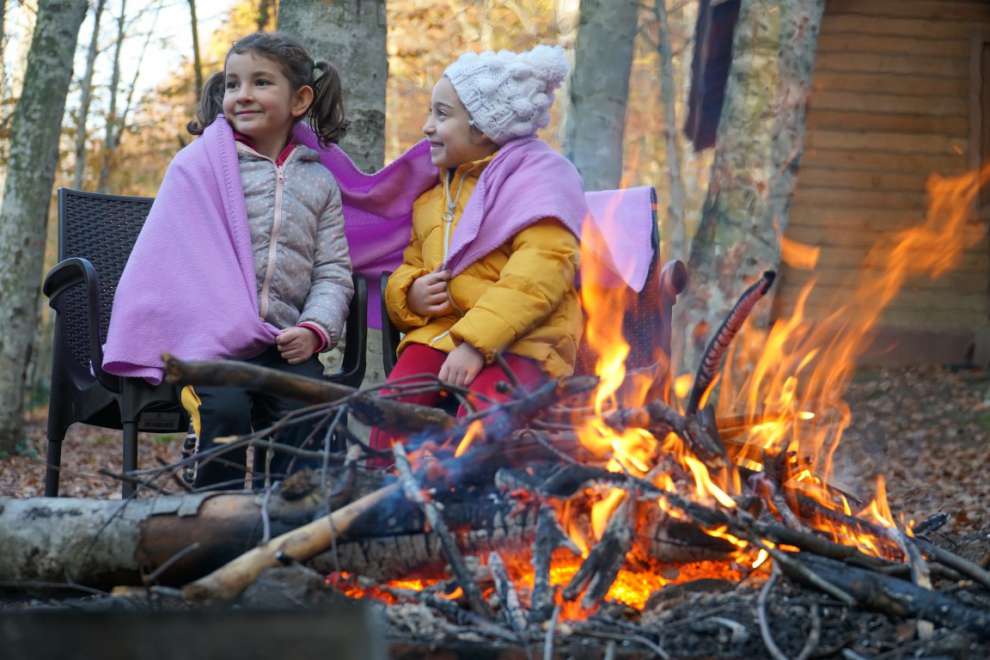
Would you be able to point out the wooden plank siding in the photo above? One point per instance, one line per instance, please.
(892, 103)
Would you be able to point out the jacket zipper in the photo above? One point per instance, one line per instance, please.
(273, 238)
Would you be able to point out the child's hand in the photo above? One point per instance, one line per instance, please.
(462, 365)
(428, 294)
(296, 345)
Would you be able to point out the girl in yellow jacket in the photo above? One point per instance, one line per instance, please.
(491, 263)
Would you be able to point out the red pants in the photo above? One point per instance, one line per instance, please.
(420, 359)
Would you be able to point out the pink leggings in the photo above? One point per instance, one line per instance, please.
(420, 359)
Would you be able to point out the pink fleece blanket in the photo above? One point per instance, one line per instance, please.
(189, 285)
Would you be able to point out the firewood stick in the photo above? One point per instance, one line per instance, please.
(658, 418)
(370, 410)
(413, 493)
(600, 568)
(936, 553)
(549, 536)
(454, 612)
(919, 574)
(954, 561)
(799, 571)
(899, 598)
(507, 594)
(761, 615)
(228, 581)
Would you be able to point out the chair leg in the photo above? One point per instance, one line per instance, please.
(53, 462)
(130, 456)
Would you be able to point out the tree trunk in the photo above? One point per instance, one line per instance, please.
(265, 8)
(350, 34)
(111, 122)
(27, 191)
(86, 86)
(668, 100)
(758, 148)
(599, 90)
(197, 61)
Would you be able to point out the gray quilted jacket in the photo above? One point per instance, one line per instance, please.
(301, 260)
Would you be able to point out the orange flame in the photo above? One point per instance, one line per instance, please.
(785, 388)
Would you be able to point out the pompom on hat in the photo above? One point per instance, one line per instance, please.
(509, 95)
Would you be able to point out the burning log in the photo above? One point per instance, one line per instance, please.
(600, 568)
(660, 419)
(549, 537)
(949, 559)
(507, 595)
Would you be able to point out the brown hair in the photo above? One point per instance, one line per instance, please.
(325, 114)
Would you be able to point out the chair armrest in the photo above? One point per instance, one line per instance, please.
(355, 359)
(390, 334)
(66, 274)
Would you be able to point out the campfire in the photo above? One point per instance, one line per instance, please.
(582, 507)
(603, 492)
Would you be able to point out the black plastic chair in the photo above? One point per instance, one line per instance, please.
(96, 235)
(390, 334)
(646, 325)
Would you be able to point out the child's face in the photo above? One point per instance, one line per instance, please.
(452, 139)
(258, 99)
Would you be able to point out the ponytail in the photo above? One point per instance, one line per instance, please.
(326, 114)
(210, 104)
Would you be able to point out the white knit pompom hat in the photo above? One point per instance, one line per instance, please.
(509, 94)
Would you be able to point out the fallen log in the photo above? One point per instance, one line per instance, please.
(228, 581)
(105, 543)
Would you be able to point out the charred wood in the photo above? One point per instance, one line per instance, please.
(507, 595)
(414, 493)
(897, 597)
(549, 537)
(600, 568)
(660, 419)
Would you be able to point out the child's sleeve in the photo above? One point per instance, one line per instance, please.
(331, 287)
(539, 272)
(398, 287)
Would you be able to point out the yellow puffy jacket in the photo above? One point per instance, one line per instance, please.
(518, 299)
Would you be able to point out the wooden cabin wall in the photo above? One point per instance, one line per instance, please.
(895, 97)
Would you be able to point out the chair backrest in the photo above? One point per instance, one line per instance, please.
(643, 324)
(103, 229)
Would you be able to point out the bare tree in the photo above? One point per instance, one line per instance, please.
(111, 121)
(27, 192)
(351, 35)
(676, 199)
(758, 147)
(86, 97)
(599, 90)
(197, 61)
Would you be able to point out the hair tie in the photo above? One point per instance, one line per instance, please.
(319, 65)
